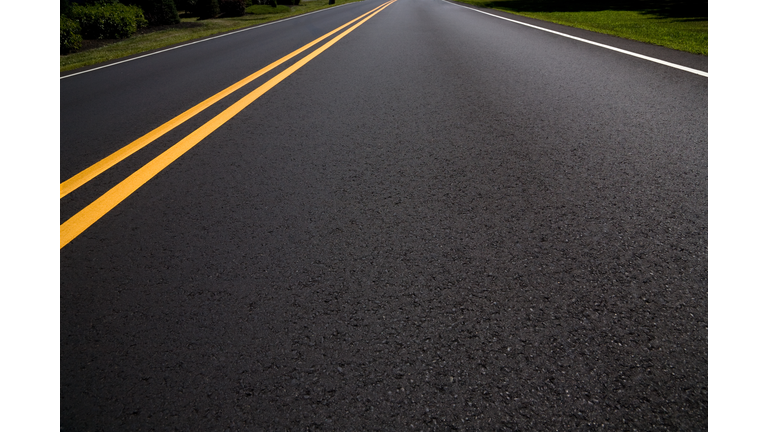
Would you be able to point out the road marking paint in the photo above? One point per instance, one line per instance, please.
(86, 217)
(634, 54)
(108, 162)
(199, 41)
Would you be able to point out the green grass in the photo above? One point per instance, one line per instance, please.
(676, 24)
(203, 28)
(266, 9)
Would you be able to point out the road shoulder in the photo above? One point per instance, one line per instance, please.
(682, 58)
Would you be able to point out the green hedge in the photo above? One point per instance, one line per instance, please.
(267, 9)
(207, 8)
(158, 12)
(233, 8)
(186, 5)
(69, 35)
(115, 21)
(65, 8)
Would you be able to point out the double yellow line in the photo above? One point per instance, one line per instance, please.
(94, 211)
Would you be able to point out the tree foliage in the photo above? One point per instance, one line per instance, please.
(69, 35)
(159, 12)
(108, 21)
(232, 7)
(208, 8)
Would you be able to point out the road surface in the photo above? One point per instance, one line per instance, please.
(442, 220)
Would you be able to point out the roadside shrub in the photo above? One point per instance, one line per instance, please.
(114, 21)
(188, 6)
(159, 12)
(267, 9)
(65, 8)
(232, 7)
(94, 2)
(69, 35)
(272, 3)
(208, 8)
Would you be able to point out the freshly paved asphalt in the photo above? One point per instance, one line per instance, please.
(444, 221)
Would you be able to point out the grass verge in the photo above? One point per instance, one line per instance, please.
(676, 24)
(190, 29)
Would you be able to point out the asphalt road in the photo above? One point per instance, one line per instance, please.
(443, 221)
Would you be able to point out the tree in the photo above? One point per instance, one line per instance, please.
(159, 12)
(207, 8)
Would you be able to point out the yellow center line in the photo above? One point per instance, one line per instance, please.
(108, 162)
(94, 211)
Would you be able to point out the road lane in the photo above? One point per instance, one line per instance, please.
(443, 220)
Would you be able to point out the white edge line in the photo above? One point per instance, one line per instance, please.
(655, 60)
(201, 40)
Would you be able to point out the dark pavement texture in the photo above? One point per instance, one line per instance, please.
(445, 221)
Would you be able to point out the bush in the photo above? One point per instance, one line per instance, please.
(65, 8)
(254, 3)
(232, 7)
(95, 2)
(69, 35)
(207, 8)
(159, 12)
(188, 6)
(267, 10)
(115, 21)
